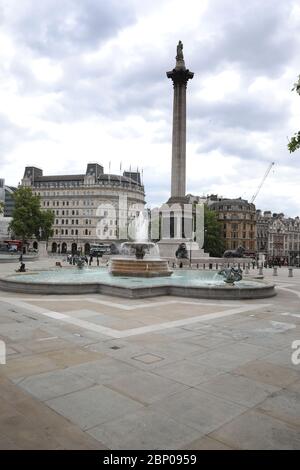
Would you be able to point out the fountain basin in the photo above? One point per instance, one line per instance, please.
(193, 284)
(147, 267)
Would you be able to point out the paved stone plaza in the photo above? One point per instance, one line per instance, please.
(99, 372)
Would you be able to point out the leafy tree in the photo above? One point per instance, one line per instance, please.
(294, 143)
(213, 241)
(1, 207)
(44, 231)
(28, 218)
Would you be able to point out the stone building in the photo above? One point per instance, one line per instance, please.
(238, 222)
(6, 196)
(89, 208)
(278, 237)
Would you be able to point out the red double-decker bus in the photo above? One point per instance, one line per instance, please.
(14, 245)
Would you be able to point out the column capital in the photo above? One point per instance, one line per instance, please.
(180, 76)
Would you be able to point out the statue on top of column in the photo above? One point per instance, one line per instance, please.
(179, 57)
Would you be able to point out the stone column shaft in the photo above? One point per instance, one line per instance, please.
(178, 180)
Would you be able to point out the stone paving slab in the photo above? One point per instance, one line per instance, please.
(257, 431)
(145, 387)
(199, 409)
(187, 372)
(144, 430)
(268, 373)
(54, 384)
(25, 423)
(103, 371)
(283, 405)
(238, 389)
(93, 406)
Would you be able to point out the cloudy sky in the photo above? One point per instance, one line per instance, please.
(85, 80)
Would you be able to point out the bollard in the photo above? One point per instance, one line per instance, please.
(275, 271)
(246, 270)
(290, 272)
(260, 271)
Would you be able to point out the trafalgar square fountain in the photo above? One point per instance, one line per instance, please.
(138, 271)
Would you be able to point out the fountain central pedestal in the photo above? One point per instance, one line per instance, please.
(139, 262)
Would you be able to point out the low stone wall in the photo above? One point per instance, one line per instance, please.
(202, 292)
(15, 258)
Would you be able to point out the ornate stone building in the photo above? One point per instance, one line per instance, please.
(279, 237)
(89, 208)
(238, 219)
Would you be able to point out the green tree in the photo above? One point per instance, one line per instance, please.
(44, 230)
(294, 143)
(213, 241)
(1, 207)
(28, 218)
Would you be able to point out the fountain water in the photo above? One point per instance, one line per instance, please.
(140, 257)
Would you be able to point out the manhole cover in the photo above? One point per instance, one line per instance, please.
(148, 358)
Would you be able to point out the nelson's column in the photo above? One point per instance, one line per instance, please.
(178, 227)
(180, 76)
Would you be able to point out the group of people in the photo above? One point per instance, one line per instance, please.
(72, 259)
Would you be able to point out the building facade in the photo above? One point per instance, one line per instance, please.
(238, 222)
(6, 197)
(89, 208)
(279, 237)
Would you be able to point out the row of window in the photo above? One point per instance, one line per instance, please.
(237, 216)
(236, 226)
(104, 233)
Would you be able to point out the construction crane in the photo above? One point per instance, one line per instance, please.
(262, 182)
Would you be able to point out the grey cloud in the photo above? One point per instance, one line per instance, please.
(55, 28)
(257, 36)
